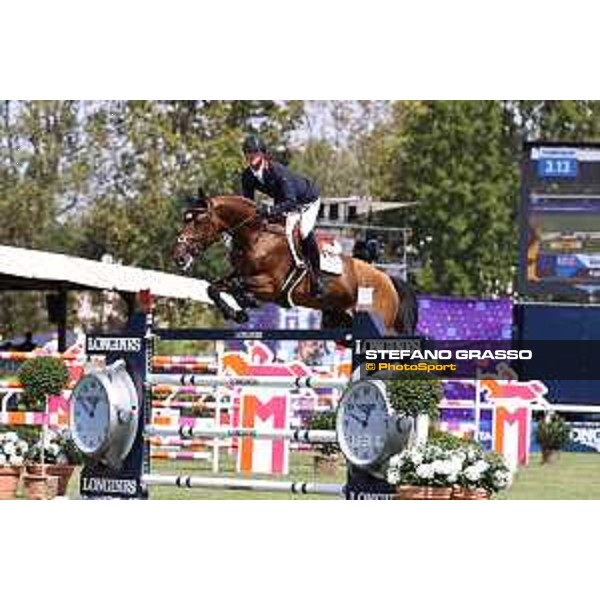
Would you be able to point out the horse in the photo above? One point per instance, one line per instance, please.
(266, 269)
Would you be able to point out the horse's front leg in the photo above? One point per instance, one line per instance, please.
(222, 293)
(241, 292)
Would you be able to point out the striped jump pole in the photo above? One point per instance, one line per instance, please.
(177, 441)
(183, 404)
(307, 436)
(256, 485)
(179, 455)
(174, 359)
(19, 356)
(192, 390)
(305, 381)
(203, 369)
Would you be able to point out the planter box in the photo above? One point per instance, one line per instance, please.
(9, 482)
(460, 493)
(421, 492)
(40, 487)
(64, 473)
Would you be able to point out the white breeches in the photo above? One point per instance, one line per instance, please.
(307, 217)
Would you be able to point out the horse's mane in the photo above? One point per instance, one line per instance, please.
(233, 198)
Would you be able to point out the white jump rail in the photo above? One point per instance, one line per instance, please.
(256, 485)
(309, 436)
(313, 382)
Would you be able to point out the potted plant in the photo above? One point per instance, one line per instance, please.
(41, 377)
(12, 457)
(552, 435)
(482, 474)
(418, 398)
(424, 472)
(326, 457)
(60, 457)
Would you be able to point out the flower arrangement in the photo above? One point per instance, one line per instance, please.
(467, 467)
(58, 449)
(13, 450)
(425, 465)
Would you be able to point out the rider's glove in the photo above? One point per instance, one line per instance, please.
(264, 211)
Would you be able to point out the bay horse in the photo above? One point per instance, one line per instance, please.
(264, 269)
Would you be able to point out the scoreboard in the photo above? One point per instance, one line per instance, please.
(560, 219)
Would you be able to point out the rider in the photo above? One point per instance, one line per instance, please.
(294, 196)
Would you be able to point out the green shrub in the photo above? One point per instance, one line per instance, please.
(40, 377)
(413, 397)
(324, 420)
(553, 433)
(447, 441)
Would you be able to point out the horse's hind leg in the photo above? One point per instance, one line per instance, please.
(335, 319)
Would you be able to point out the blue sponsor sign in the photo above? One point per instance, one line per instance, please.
(557, 166)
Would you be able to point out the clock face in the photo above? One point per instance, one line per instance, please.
(91, 414)
(362, 423)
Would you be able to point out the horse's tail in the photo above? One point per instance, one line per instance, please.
(408, 310)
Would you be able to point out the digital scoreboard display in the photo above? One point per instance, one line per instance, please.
(560, 219)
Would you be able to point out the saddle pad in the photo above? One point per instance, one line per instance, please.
(331, 256)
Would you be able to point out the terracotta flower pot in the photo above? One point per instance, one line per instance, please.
(422, 492)
(64, 473)
(40, 487)
(36, 469)
(461, 493)
(9, 482)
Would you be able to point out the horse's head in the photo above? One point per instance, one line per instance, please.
(201, 229)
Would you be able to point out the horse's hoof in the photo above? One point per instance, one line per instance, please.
(241, 317)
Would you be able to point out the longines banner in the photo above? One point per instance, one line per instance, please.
(481, 359)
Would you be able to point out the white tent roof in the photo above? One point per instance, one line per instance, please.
(35, 265)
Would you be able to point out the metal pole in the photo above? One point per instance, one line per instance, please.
(256, 381)
(257, 485)
(308, 436)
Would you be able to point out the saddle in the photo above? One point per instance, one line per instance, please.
(329, 248)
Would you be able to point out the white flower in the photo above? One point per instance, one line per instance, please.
(3, 459)
(10, 448)
(396, 460)
(502, 478)
(11, 436)
(17, 461)
(416, 457)
(53, 449)
(393, 476)
(22, 446)
(472, 474)
(481, 465)
(425, 471)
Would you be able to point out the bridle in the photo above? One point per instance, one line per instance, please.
(190, 240)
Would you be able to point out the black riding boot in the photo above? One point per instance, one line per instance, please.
(311, 252)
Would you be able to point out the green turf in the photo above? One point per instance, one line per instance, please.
(572, 477)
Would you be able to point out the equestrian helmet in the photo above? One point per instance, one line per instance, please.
(253, 144)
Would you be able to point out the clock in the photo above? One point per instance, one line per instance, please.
(105, 414)
(368, 431)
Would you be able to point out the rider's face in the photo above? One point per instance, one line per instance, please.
(254, 159)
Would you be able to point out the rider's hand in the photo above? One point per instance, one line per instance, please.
(264, 211)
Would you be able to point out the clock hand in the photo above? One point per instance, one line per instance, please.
(357, 418)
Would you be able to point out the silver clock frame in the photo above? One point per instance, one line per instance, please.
(398, 434)
(124, 414)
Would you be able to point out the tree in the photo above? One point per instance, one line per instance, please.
(460, 169)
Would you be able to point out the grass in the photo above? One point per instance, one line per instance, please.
(574, 476)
